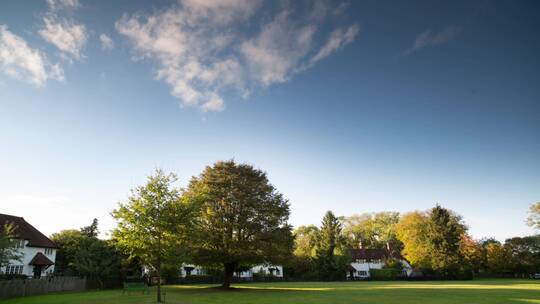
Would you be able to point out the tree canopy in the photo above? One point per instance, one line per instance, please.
(242, 220)
(154, 224)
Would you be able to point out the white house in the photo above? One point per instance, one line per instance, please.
(38, 251)
(364, 260)
(263, 269)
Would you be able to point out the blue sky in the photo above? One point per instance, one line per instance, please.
(358, 106)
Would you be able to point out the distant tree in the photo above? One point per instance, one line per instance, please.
(534, 216)
(92, 230)
(412, 230)
(373, 230)
(8, 249)
(472, 252)
(444, 235)
(98, 261)
(243, 219)
(154, 224)
(305, 238)
(525, 253)
(70, 242)
(81, 253)
(330, 239)
(498, 258)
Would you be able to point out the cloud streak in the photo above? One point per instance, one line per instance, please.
(203, 52)
(20, 61)
(430, 38)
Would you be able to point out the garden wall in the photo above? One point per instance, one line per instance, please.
(29, 287)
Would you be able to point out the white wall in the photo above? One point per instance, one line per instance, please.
(28, 255)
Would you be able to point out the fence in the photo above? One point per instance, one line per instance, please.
(29, 287)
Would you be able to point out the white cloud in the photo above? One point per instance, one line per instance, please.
(20, 61)
(55, 5)
(69, 37)
(278, 49)
(202, 52)
(430, 38)
(106, 42)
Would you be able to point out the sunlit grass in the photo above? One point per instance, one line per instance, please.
(466, 292)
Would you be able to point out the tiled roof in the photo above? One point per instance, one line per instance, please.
(40, 260)
(372, 254)
(24, 230)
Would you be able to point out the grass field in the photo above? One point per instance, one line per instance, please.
(466, 292)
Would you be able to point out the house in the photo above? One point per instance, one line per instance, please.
(275, 271)
(38, 251)
(364, 260)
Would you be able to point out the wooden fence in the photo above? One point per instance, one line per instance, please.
(30, 287)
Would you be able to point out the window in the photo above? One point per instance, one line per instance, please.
(361, 261)
(14, 269)
(362, 273)
(376, 261)
(48, 251)
(18, 243)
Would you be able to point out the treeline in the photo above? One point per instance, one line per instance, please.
(435, 242)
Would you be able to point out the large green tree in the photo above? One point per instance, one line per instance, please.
(154, 224)
(8, 249)
(444, 234)
(243, 218)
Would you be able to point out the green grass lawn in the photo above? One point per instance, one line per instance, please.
(462, 292)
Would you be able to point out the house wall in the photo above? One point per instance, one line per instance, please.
(365, 267)
(28, 255)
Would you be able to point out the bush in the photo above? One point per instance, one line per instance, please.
(387, 274)
(4, 277)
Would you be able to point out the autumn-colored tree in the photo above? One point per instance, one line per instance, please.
(534, 216)
(412, 231)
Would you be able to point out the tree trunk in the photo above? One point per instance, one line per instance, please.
(228, 275)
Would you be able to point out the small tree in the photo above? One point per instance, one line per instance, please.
(154, 224)
(243, 219)
(8, 249)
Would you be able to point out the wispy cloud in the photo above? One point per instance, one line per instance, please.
(337, 40)
(55, 5)
(106, 42)
(431, 38)
(68, 36)
(202, 52)
(20, 61)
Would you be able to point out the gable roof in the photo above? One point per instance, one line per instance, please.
(24, 230)
(40, 260)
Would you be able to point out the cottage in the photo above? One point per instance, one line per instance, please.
(364, 260)
(38, 251)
